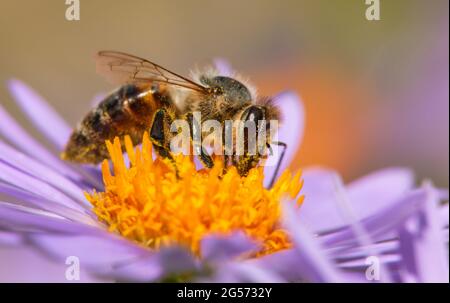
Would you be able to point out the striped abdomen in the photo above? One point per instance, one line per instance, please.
(127, 111)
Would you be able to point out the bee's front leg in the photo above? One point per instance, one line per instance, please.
(226, 160)
(161, 123)
(202, 154)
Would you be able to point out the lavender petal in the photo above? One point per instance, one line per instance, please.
(381, 225)
(22, 264)
(97, 99)
(243, 272)
(40, 113)
(215, 248)
(443, 215)
(320, 200)
(27, 164)
(223, 67)
(18, 196)
(36, 186)
(97, 251)
(17, 218)
(59, 238)
(367, 195)
(157, 265)
(12, 131)
(360, 252)
(315, 265)
(422, 249)
(290, 132)
(10, 238)
(360, 263)
(377, 190)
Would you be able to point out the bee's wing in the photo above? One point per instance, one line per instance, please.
(121, 68)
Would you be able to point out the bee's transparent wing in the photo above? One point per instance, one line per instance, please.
(121, 68)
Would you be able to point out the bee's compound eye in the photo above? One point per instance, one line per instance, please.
(232, 89)
(252, 117)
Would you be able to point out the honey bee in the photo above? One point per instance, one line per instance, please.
(152, 97)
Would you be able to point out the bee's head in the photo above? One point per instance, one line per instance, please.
(264, 118)
(263, 110)
(262, 115)
(258, 129)
(230, 89)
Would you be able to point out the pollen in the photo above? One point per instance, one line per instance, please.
(148, 203)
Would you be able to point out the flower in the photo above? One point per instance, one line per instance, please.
(149, 204)
(382, 218)
(44, 195)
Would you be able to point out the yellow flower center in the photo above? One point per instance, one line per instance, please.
(148, 204)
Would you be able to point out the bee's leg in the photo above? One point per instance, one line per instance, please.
(161, 123)
(202, 154)
(245, 163)
(280, 159)
(227, 151)
(226, 160)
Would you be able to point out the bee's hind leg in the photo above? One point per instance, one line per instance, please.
(161, 123)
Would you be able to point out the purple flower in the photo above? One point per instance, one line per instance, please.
(377, 228)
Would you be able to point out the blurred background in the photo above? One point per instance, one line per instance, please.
(376, 93)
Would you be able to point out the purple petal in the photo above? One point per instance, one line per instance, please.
(98, 251)
(360, 264)
(290, 131)
(383, 224)
(444, 211)
(345, 253)
(285, 264)
(223, 67)
(21, 197)
(423, 251)
(320, 200)
(215, 248)
(40, 113)
(15, 158)
(311, 260)
(97, 99)
(175, 259)
(11, 130)
(26, 265)
(443, 194)
(10, 238)
(143, 269)
(19, 219)
(355, 258)
(376, 191)
(367, 195)
(362, 237)
(243, 272)
(36, 186)
(156, 265)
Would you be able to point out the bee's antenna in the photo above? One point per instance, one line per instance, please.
(280, 159)
(270, 149)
